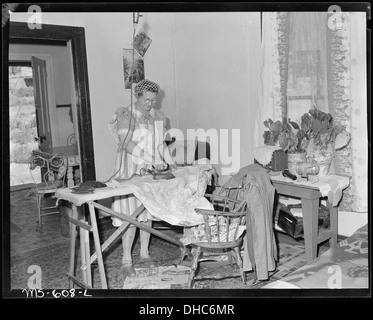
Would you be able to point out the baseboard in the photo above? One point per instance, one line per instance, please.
(349, 222)
(21, 187)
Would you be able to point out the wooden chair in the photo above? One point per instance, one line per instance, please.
(53, 169)
(221, 230)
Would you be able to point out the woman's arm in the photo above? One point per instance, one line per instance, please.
(126, 128)
(129, 146)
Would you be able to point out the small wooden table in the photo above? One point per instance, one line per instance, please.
(310, 195)
(73, 160)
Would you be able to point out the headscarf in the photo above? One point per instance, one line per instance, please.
(146, 85)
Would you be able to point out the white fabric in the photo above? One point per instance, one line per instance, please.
(264, 154)
(333, 184)
(307, 61)
(173, 200)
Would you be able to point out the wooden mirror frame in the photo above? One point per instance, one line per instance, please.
(19, 32)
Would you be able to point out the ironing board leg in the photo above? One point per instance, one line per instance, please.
(72, 245)
(87, 253)
(83, 255)
(97, 245)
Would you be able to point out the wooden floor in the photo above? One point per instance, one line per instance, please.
(26, 237)
(28, 245)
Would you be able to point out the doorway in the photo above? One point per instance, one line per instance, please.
(22, 124)
(75, 37)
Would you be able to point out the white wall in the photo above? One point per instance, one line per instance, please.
(217, 76)
(206, 64)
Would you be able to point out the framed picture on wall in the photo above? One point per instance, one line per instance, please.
(133, 67)
(141, 43)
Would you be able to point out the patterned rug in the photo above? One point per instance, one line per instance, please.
(54, 264)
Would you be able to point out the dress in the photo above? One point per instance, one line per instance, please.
(148, 133)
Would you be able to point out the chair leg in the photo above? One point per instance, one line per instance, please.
(240, 264)
(230, 260)
(39, 204)
(183, 254)
(194, 268)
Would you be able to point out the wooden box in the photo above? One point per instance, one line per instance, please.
(279, 161)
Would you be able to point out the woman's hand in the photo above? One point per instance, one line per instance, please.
(160, 167)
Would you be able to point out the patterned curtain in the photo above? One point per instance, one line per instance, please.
(346, 43)
(273, 76)
(283, 23)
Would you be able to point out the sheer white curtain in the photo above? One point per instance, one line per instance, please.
(307, 79)
(270, 80)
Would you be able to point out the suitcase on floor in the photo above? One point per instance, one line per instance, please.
(294, 225)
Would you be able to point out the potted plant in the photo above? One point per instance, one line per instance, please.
(283, 134)
(315, 140)
(322, 137)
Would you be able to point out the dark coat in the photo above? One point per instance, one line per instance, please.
(260, 247)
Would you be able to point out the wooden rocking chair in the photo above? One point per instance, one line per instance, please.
(221, 228)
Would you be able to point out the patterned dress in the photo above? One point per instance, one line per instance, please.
(147, 132)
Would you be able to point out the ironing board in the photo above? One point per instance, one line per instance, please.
(80, 220)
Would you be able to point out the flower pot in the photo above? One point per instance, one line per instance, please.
(323, 159)
(293, 159)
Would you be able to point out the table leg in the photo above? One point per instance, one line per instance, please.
(83, 255)
(97, 245)
(333, 212)
(70, 176)
(310, 210)
(72, 244)
(76, 174)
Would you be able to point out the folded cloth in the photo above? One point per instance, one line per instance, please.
(330, 185)
(264, 154)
